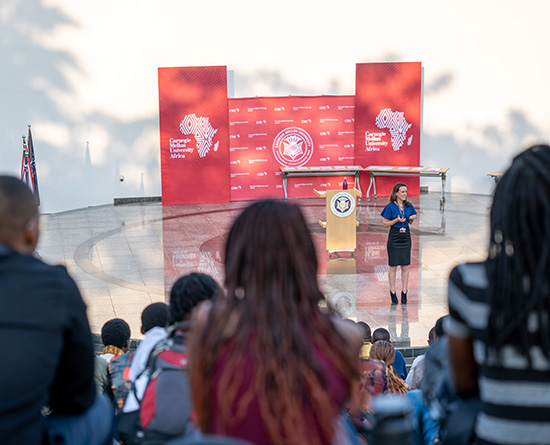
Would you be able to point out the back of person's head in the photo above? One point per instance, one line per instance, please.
(273, 294)
(188, 291)
(155, 315)
(18, 215)
(432, 336)
(384, 351)
(380, 334)
(116, 332)
(365, 328)
(519, 255)
(439, 328)
(271, 257)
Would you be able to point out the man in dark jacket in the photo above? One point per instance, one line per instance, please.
(45, 339)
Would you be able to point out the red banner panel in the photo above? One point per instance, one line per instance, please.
(194, 138)
(387, 120)
(267, 133)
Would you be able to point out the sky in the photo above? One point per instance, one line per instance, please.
(84, 74)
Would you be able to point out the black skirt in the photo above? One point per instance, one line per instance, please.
(399, 247)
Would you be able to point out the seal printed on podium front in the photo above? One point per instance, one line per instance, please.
(293, 147)
(342, 204)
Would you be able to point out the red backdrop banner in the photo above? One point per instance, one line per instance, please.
(387, 120)
(194, 138)
(267, 133)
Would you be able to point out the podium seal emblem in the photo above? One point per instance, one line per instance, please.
(342, 204)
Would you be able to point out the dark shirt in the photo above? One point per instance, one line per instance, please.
(45, 345)
(399, 365)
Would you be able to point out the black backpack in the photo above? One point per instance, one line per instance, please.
(165, 409)
(118, 370)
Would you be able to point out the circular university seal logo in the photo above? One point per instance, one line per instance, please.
(343, 303)
(342, 204)
(292, 147)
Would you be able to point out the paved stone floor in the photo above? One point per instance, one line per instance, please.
(126, 256)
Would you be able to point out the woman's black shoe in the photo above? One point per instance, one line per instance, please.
(403, 297)
(393, 298)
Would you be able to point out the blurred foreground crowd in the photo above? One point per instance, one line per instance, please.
(261, 360)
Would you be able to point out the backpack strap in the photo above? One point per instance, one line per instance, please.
(175, 335)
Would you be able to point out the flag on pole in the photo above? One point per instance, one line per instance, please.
(25, 165)
(28, 165)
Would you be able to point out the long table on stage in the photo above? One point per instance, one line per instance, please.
(381, 170)
(322, 171)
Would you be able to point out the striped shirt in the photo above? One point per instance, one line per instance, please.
(515, 397)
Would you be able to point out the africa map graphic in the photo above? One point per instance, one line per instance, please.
(201, 129)
(395, 122)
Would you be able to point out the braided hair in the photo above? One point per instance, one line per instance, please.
(518, 267)
(384, 351)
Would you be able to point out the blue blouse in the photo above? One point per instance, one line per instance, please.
(391, 211)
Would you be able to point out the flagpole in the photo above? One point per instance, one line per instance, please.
(32, 164)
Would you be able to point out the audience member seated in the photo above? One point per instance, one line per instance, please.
(154, 320)
(437, 385)
(367, 340)
(46, 344)
(499, 329)
(384, 351)
(115, 336)
(438, 328)
(374, 377)
(399, 364)
(415, 375)
(187, 292)
(269, 365)
(426, 429)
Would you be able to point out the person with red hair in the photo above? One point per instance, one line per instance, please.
(269, 365)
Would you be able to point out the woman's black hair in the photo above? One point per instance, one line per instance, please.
(188, 291)
(115, 332)
(518, 267)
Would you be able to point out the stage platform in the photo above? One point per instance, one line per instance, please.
(125, 257)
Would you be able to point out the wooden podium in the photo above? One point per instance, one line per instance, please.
(341, 223)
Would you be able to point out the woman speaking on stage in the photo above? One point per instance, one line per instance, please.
(397, 215)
